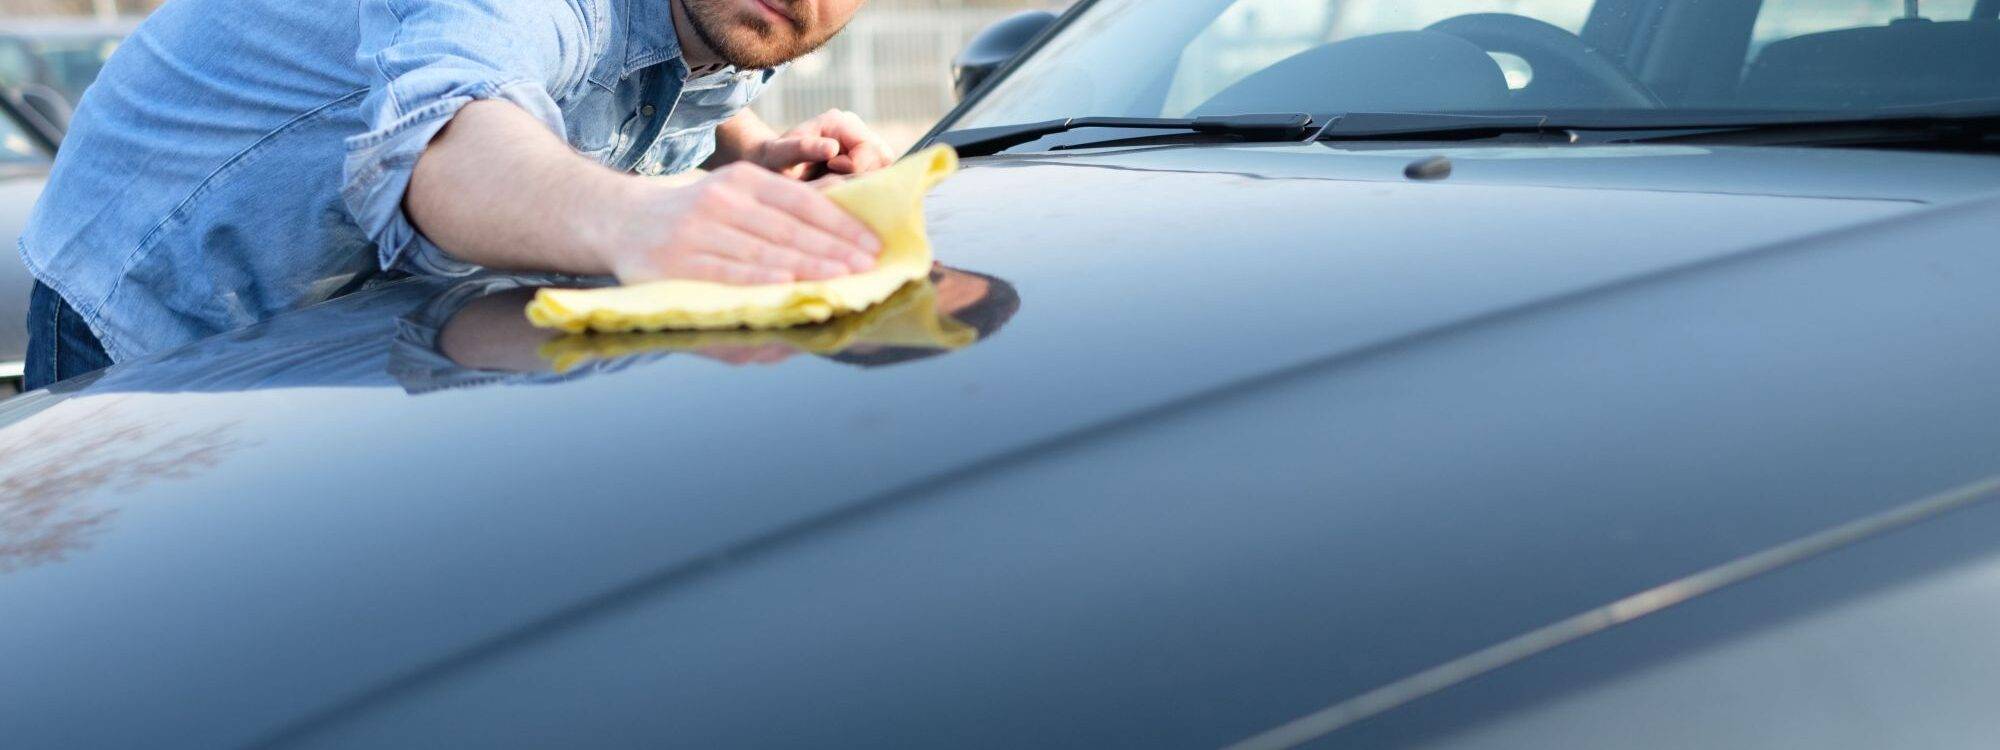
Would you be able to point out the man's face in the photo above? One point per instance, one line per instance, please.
(765, 33)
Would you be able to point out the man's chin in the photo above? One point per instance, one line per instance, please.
(739, 38)
(752, 56)
(752, 62)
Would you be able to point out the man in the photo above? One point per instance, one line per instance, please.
(240, 158)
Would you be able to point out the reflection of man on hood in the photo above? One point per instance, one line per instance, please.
(429, 335)
(976, 300)
(949, 310)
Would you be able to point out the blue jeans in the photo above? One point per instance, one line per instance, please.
(60, 344)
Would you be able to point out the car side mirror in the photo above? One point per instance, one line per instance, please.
(49, 105)
(994, 46)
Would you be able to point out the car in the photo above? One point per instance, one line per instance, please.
(1351, 373)
(63, 55)
(27, 150)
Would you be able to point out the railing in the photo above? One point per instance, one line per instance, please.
(891, 65)
(892, 68)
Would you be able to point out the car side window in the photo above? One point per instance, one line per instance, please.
(1252, 34)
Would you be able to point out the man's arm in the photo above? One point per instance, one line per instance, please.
(498, 189)
(464, 164)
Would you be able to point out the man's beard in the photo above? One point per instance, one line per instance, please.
(748, 39)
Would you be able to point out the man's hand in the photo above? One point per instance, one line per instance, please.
(837, 142)
(742, 224)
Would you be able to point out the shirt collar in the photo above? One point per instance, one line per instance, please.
(650, 37)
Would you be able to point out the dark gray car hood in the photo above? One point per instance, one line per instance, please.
(1273, 426)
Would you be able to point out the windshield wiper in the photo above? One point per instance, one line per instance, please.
(1440, 126)
(1257, 127)
(1975, 130)
(1803, 130)
(1406, 126)
(1969, 130)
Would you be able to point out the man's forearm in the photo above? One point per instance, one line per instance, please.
(496, 188)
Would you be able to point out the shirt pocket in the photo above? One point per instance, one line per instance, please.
(708, 103)
(599, 123)
(688, 136)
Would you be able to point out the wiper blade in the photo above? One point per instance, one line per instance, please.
(1665, 128)
(1260, 127)
(1971, 129)
(1404, 126)
(1408, 126)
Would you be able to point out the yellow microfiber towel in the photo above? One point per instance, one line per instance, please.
(889, 201)
(908, 318)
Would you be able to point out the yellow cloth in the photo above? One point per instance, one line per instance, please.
(909, 318)
(889, 201)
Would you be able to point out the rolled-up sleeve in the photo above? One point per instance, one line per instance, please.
(428, 59)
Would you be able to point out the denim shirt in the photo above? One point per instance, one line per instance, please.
(240, 158)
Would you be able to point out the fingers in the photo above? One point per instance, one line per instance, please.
(836, 256)
(806, 204)
(861, 150)
(791, 151)
(838, 139)
(705, 267)
(738, 244)
(745, 225)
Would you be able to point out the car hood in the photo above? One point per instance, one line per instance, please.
(1266, 431)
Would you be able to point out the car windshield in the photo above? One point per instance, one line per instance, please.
(1606, 62)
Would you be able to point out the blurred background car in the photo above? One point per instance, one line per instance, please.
(61, 54)
(47, 60)
(27, 149)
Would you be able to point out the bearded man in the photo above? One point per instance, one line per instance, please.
(241, 158)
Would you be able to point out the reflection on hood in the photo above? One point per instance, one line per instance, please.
(51, 470)
(908, 318)
(394, 336)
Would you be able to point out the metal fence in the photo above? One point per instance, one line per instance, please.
(103, 9)
(891, 64)
(892, 67)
